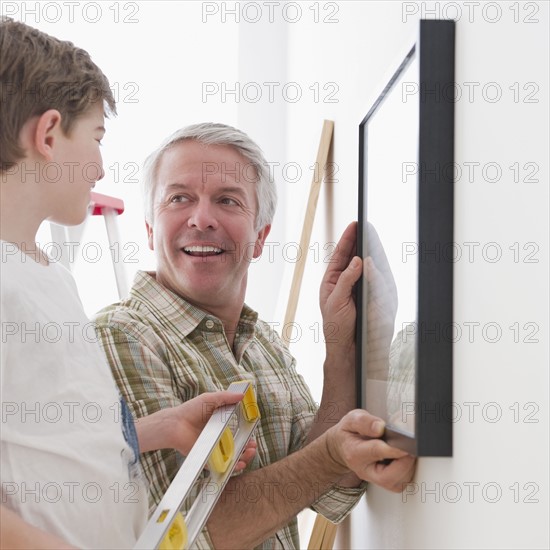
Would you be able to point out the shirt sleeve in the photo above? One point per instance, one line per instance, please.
(338, 502)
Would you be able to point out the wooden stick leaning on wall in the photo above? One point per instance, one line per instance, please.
(322, 534)
(324, 531)
(318, 176)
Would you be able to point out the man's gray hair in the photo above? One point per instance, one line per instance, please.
(211, 133)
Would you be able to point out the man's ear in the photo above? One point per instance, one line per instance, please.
(150, 235)
(262, 236)
(46, 133)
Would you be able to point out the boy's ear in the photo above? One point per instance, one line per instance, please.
(46, 133)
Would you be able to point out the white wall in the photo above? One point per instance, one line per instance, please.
(453, 502)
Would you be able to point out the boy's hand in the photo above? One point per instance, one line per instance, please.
(191, 417)
(179, 427)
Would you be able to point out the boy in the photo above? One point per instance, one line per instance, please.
(69, 463)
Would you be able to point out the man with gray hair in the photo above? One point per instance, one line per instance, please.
(185, 330)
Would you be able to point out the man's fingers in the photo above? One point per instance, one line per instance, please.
(339, 263)
(363, 423)
(348, 241)
(344, 250)
(361, 455)
(394, 476)
(380, 450)
(366, 425)
(348, 277)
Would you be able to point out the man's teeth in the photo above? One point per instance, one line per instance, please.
(202, 249)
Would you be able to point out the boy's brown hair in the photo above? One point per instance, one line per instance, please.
(39, 72)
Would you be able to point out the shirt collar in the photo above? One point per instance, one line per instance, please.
(174, 312)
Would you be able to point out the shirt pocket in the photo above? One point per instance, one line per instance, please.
(274, 432)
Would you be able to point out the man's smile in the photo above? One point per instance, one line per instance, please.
(202, 250)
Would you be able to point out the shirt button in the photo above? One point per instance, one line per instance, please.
(209, 323)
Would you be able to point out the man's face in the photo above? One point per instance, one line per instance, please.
(203, 229)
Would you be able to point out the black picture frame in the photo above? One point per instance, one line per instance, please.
(434, 52)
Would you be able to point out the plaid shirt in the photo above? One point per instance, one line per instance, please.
(164, 351)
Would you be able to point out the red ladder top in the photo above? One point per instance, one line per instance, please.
(100, 201)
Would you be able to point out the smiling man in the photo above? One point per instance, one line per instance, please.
(204, 224)
(185, 330)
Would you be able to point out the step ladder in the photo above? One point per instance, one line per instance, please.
(100, 205)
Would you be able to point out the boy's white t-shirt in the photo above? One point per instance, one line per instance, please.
(65, 464)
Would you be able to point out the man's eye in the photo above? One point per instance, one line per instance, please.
(178, 198)
(228, 201)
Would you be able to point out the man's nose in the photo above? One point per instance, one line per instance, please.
(203, 216)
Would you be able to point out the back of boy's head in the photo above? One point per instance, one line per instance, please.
(39, 72)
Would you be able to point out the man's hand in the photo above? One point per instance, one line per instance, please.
(350, 445)
(179, 427)
(353, 445)
(338, 310)
(336, 295)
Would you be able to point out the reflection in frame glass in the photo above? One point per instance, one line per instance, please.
(404, 298)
